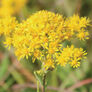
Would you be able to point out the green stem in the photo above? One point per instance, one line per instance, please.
(44, 79)
(37, 85)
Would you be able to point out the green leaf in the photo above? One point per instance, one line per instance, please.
(17, 76)
(8, 84)
(4, 67)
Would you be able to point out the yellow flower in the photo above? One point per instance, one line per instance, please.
(49, 63)
(83, 35)
(8, 42)
(75, 63)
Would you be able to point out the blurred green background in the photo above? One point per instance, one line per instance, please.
(18, 76)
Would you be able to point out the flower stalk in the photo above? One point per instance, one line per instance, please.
(44, 82)
(37, 85)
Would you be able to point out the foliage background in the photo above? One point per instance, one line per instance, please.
(18, 76)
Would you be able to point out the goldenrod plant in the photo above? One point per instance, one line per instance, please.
(42, 36)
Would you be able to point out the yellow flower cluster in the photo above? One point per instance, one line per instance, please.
(42, 35)
(71, 55)
(78, 25)
(7, 27)
(10, 7)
